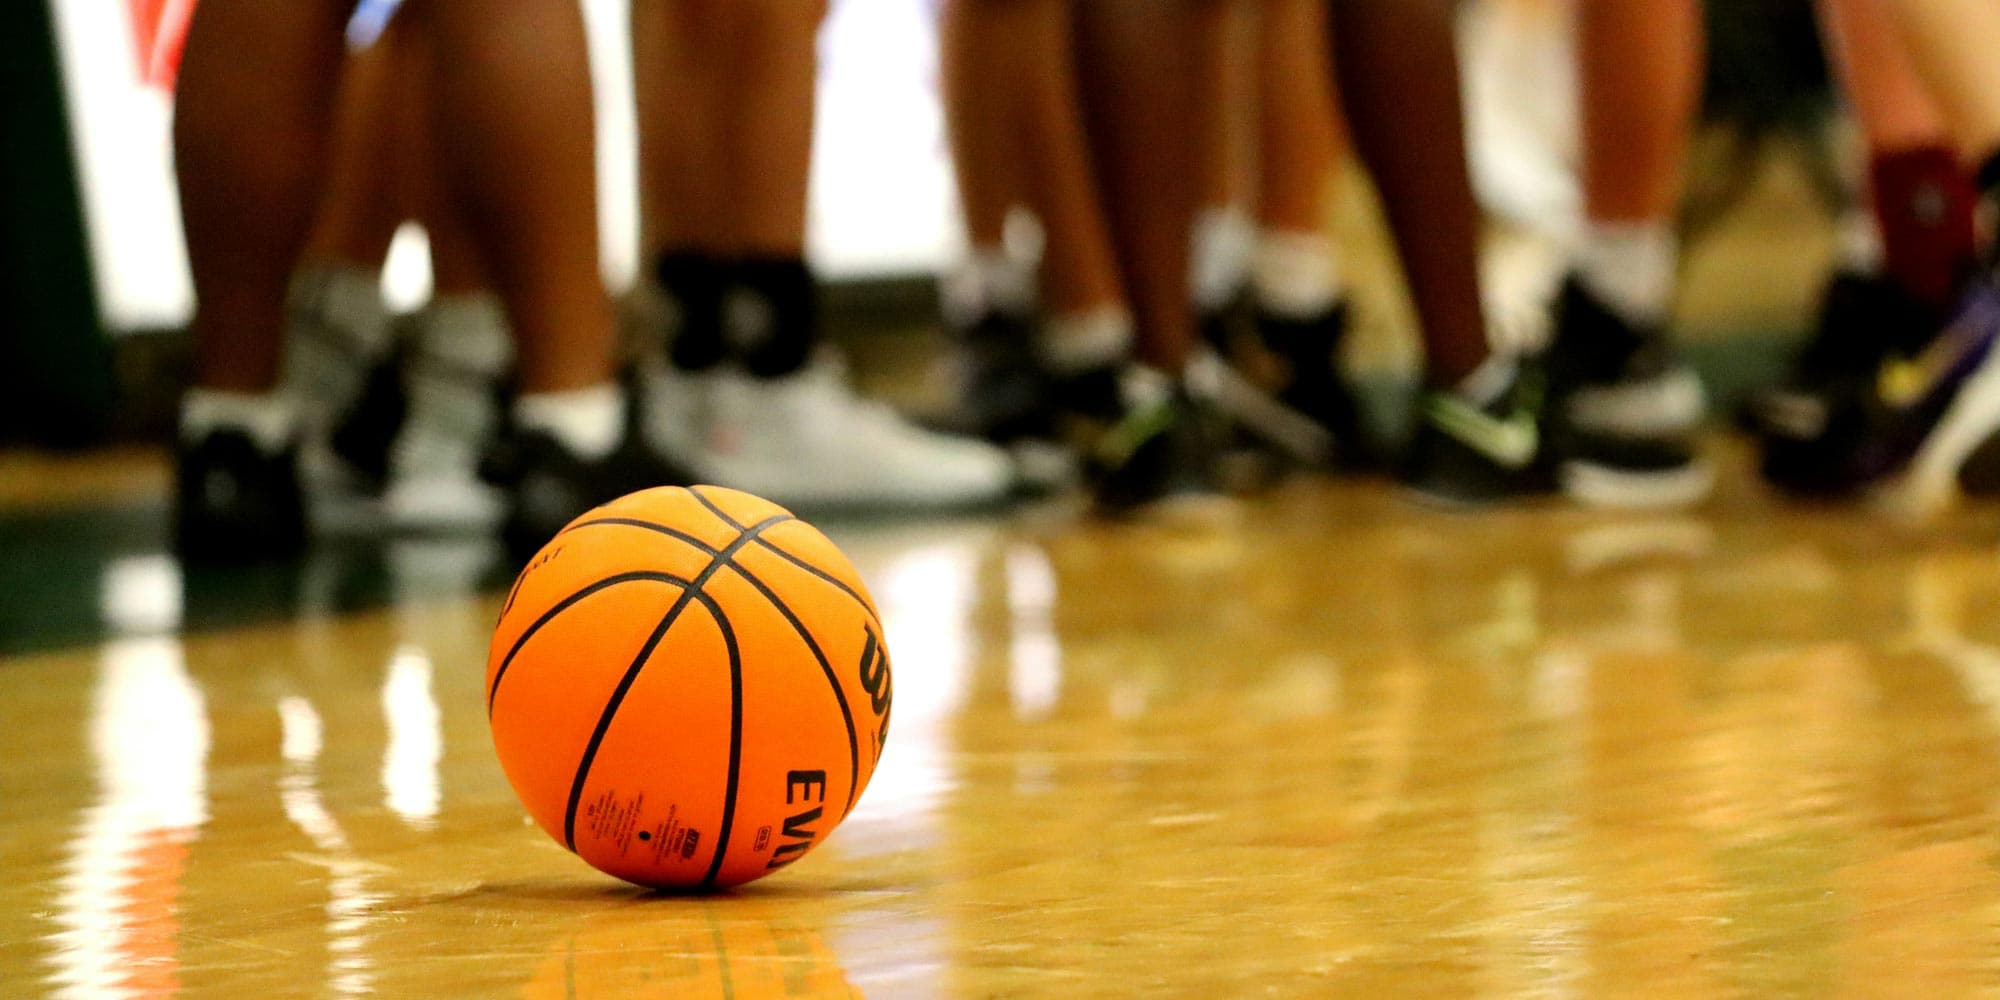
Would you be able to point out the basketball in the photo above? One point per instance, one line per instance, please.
(688, 688)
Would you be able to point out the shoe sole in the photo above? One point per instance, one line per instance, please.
(1607, 486)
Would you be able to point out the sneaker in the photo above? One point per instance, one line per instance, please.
(342, 363)
(1935, 410)
(1466, 453)
(1810, 429)
(547, 485)
(454, 378)
(1623, 412)
(1312, 385)
(1002, 392)
(234, 502)
(807, 440)
(1156, 448)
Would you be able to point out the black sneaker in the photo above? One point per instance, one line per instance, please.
(236, 503)
(1810, 430)
(1003, 393)
(1930, 418)
(1312, 384)
(1467, 453)
(1624, 412)
(549, 486)
(1162, 452)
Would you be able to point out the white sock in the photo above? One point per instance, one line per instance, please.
(270, 419)
(589, 422)
(1859, 243)
(1219, 255)
(1630, 267)
(990, 280)
(1296, 274)
(1079, 341)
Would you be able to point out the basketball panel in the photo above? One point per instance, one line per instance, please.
(800, 760)
(650, 809)
(557, 683)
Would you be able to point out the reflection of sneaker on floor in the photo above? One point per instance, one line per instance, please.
(1810, 429)
(1484, 441)
(235, 501)
(807, 440)
(1624, 412)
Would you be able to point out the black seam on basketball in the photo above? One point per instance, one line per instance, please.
(832, 679)
(735, 739)
(688, 594)
(794, 560)
(633, 522)
(493, 691)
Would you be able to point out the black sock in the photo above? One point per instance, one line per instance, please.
(694, 282)
(776, 337)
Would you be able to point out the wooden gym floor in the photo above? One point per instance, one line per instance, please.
(1348, 746)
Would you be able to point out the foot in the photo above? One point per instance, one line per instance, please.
(1155, 447)
(1624, 413)
(1935, 410)
(1313, 386)
(807, 440)
(547, 485)
(1002, 392)
(1483, 442)
(1810, 429)
(235, 502)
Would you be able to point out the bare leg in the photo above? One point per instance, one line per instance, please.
(514, 120)
(980, 43)
(1922, 198)
(1399, 77)
(1142, 72)
(767, 154)
(681, 101)
(1952, 42)
(1640, 73)
(1300, 132)
(1641, 76)
(1017, 126)
(365, 197)
(251, 132)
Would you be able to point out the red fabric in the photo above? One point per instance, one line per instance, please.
(160, 29)
(1923, 204)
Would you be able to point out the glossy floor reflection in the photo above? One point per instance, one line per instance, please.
(1346, 747)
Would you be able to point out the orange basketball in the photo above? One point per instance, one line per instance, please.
(688, 687)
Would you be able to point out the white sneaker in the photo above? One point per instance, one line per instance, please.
(676, 410)
(808, 440)
(462, 350)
